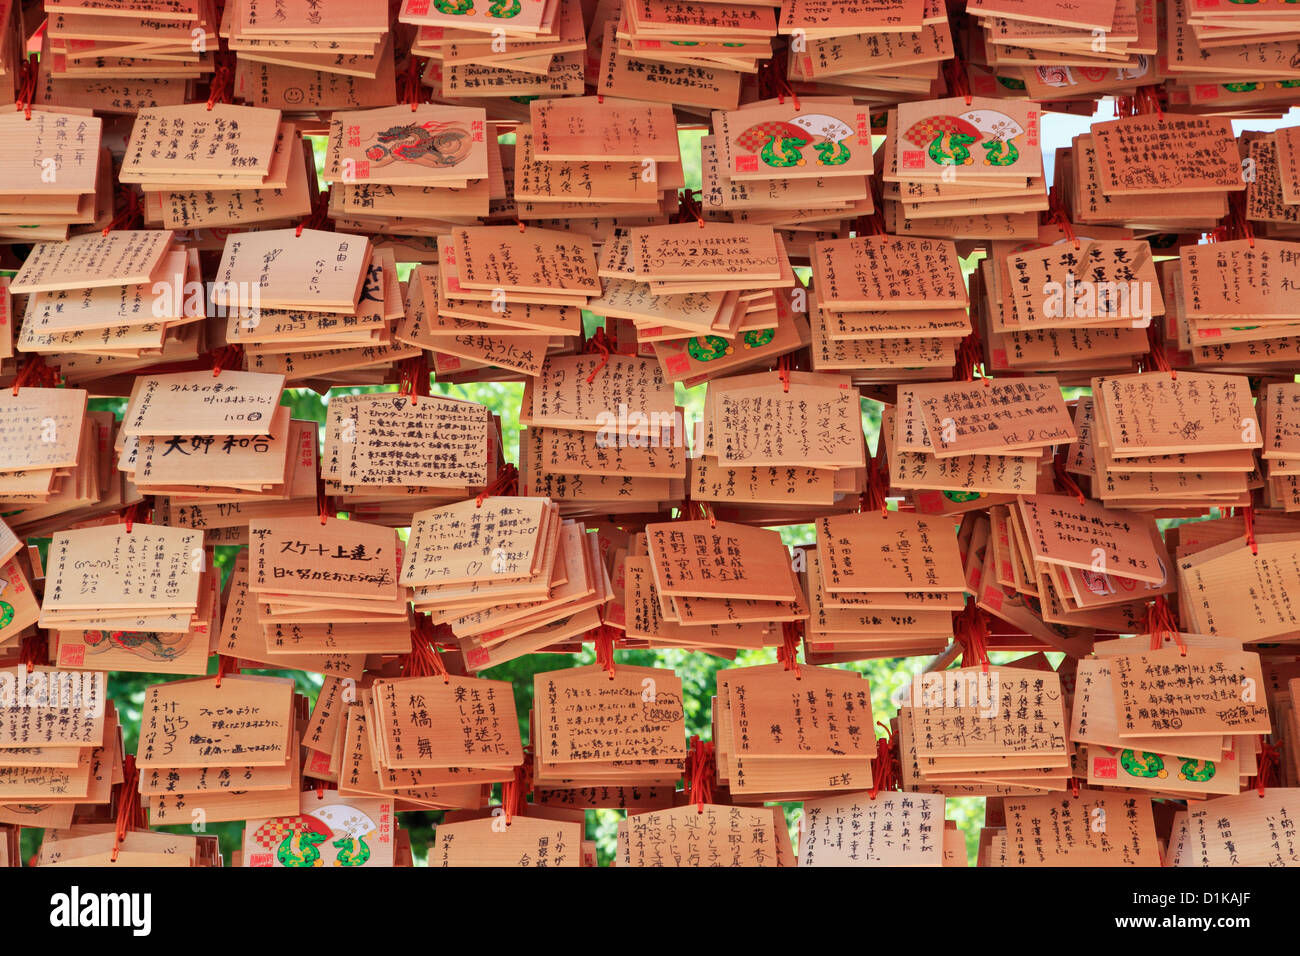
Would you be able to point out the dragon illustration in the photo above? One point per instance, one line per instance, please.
(151, 645)
(426, 144)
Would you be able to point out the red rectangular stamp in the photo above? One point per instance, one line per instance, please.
(913, 159)
(1107, 768)
(72, 656)
(746, 164)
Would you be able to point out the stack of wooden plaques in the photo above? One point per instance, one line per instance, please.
(709, 572)
(119, 328)
(386, 455)
(412, 171)
(43, 443)
(604, 434)
(70, 183)
(638, 175)
(1115, 754)
(225, 747)
(301, 36)
(472, 56)
(735, 38)
(804, 168)
(444, 730)
(963, 160)
(866, 61)
(904, 315)
(129, 38)
(578, 591)
(60, 745)
(1153, 448)
(593, 728)
(193, 195)
(108, 303)
(328, 586)
(147, 578)
(524, 571)
(1004, 725)
(793, 734)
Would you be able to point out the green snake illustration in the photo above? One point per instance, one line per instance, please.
(6, 614)
(1000, 153)
(456, 8)
(1241, 87)
(352, 852)
(706, 348)
(960, 496)
(832, 154)
(684, 42)
(1011, 83)
(789, 147)
(299, 849)
(949, 149)
(1197, 771)
(1146, 765)
(504, 9)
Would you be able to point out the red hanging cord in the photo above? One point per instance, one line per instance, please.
(958, 81)
(319, 217)
(413, 376)
(1268, 765)
(36, 374)
(599, 342)
(514, 792)
(783, 371)
(603, 637)
(1156, 357)
(884, 770)
(971, 631)
(409, 86)
(970, 357)
(227, 357)
(690, 207)
(699, 772)
(874, 496)
(33, 651)
(222, 86)
(505, 483)
(130, 811)
(129, 214)
(788, 653)
(1248, 515)
(322, 500)
(1064, 480)
(1058, 216)
(225, 665)
(28, 72)
(1162, 624)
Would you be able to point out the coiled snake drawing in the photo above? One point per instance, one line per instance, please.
(1152, 766)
